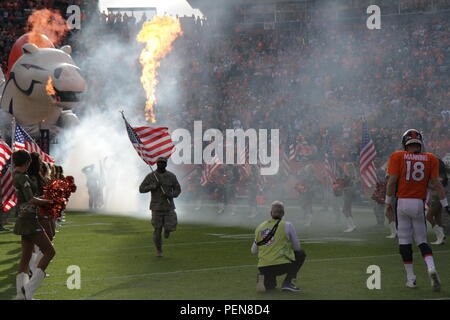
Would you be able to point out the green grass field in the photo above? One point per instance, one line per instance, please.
(209, 257)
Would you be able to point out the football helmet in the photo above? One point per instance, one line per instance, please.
(412, 136)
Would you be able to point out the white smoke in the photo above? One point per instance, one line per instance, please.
(110, 65)
(101, 140)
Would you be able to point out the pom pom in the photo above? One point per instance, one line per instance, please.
(59, 191)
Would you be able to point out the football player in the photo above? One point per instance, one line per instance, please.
(410, 171)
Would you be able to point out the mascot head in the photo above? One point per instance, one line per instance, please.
(42, 82)
(39, 39)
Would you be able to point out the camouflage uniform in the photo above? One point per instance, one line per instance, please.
(161, 204)
(27, 221)
(45, 221)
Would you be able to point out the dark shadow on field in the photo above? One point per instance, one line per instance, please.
(276, 294)
(6, 242)
(8, 261)
(9, 293)
(10, 280)
(13, 251)
(8, 276)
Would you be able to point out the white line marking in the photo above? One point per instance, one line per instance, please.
(86, 224)
(143, 275)
(303, 241)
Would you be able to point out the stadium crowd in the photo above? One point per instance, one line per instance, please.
(316, 82)
(319, 81)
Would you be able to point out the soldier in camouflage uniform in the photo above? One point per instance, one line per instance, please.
(28, 227)
(163, 186)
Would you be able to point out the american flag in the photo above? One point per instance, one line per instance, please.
(292, 148)
(330, 167)
(150, 143)
(9, 198)
(244, 168)
(260, 178)
(367, 154)
(25, 142)
(208, 171)
(285, 166)
(5, 153)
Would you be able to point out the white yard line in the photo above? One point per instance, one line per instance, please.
(240, 239)
(144, 275)
(64, 225)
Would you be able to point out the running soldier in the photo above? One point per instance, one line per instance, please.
(163, 186)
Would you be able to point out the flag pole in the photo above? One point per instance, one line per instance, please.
(13, 132)
(151, 168)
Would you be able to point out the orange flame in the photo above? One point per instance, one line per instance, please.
(49, 23)
(158, 35)
(49, 87)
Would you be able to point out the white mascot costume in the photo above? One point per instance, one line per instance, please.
(42, 87)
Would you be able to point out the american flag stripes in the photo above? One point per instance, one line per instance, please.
(245, 168)
(285, 166)
(330, 167)
(261, 179)
(208, 171)
(25, 142)
(150, 143)
(367, 154)
(292, 149)
(5, 154)
(9, 198)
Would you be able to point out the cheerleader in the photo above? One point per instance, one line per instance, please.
(28, 227)
(36, 173)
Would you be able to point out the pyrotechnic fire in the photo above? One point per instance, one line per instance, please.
(49, 87)
(158, 35)
(49, 23)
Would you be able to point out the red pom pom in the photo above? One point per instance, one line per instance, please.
(59, 192)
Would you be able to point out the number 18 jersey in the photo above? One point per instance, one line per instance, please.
(414, 171)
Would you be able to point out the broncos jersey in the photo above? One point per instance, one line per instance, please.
(414, 171)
